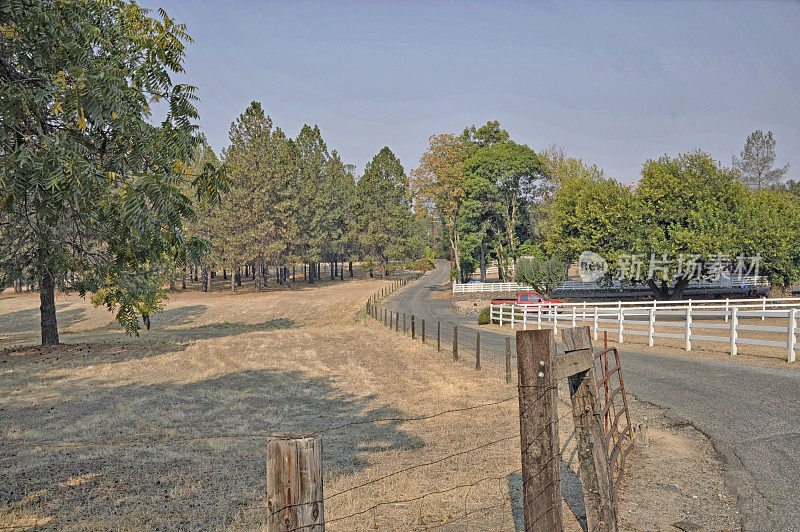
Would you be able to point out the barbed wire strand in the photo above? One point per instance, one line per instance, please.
(252, 435)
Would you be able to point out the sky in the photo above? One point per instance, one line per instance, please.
(615, 83)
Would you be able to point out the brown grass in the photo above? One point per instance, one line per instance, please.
(257, 364)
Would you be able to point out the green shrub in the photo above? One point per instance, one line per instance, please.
(485, 316)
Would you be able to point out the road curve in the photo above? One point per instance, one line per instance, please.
(751, 415)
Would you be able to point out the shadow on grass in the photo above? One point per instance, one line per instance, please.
(189, 476)
(571, 491)
(30, 319)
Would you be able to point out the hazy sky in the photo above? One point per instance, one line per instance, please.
(614, 83)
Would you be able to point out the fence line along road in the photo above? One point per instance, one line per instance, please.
(459, 288)
(669, 319)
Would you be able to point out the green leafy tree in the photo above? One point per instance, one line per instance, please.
(545, 275)
(769, 227)
(687, 205)
(514, 169)
(589, 214)
(384, 208)
(87, 183)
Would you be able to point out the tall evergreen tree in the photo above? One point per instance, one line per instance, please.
(384, 208)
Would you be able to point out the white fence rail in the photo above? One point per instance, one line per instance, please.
(685, 320)
(488, 287)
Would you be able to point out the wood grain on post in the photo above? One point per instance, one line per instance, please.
(477, 351)
(538, 421)
(508, 360)
(455, 342)
(595, 471)
(294, 483)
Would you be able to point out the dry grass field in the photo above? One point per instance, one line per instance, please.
(218, 372)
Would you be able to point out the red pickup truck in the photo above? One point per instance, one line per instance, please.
(528, 299)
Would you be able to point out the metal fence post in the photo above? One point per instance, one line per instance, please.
(508, 360)
(478, 351)
(455, 342)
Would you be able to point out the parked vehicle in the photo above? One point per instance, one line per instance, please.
(528, 299)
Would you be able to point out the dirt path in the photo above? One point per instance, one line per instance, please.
(249, 365)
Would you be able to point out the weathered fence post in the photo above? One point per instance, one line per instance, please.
(508, 360)
(404, 322)
(423, 330)
(413, 332)
(455, 342)
(294, 483)
(477, 351)
(598, 495)
(438, 336)
(538, 421)
(734, 324)
(396, 321)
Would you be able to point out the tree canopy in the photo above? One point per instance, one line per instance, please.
(89, 183)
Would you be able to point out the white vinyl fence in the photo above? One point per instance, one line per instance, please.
(488, 287)
(714, 320)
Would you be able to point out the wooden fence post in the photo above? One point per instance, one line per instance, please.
(455, 342)
(595, 471)
(294, 483)
(508, 360)
(652, 326)
(423, 330)
(538, 421)
(734, 332)
(413, 335)
(689, 327)
(792, 331)
(438, 336)
(396, 321)
(477, 351)
(404, 322)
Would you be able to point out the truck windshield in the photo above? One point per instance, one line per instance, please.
(535, 298)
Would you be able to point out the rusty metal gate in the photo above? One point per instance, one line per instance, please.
(611, 388)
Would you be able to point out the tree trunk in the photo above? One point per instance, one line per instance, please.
(238, 277)
(224, 274)
(47, 298)
(204, 275)
(662, 291)
(233, 283)
(350, 267)
(483, 262)
(146, 321)
(183, 279)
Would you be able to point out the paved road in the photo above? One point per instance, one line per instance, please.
(752, 415)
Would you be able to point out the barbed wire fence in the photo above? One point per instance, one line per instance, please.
(292, 497)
